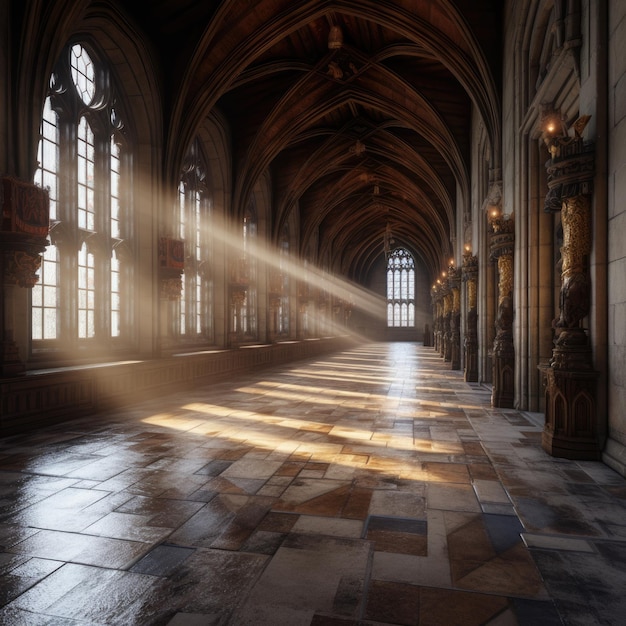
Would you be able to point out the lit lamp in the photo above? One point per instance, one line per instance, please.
(552, 127)
(494, 218)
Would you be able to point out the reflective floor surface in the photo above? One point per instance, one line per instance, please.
(372, 486)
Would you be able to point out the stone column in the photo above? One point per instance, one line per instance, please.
(570, 382)
(24, 227)
(501, 251)
(470, 278)
(447, 320)
(454, 280)
(436, 302)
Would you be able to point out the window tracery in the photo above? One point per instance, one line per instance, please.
(195, 210)
(400, 289)
(84, 290)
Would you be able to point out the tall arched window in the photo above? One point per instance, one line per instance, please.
(400, 289)
(195, 207)
(83, 296)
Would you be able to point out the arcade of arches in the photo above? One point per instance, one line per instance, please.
(195, 190)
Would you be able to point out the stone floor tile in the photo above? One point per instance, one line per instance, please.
(369, 486)
(552, 542)
(162, 560)
(397, 504)
(395, 603)
(127, 526)
(490, 491)
(321, 563)
(328, 526)
(80, 548)
(452, 497)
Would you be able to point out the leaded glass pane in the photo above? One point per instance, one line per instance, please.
(400, 288)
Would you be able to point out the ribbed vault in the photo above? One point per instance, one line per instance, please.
(363, 137)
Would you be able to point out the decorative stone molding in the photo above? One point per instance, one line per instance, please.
(24, 228)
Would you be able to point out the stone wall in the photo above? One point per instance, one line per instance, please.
(615, 454)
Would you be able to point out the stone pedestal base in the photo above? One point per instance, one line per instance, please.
(503, 392)
(570, 430)
(471, 361)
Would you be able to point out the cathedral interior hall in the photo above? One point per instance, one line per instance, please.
(312, 312)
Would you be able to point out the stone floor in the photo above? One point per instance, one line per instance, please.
(372, 486)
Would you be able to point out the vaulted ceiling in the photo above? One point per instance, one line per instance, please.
(360, 109)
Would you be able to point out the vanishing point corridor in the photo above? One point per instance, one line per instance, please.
(371, 486)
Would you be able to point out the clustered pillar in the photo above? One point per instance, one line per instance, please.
(501, 251)
(570, 382)
(470, 278)
(454, 281)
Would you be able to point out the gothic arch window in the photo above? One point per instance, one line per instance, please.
(196, 313)
(84, 293)
(400, 289)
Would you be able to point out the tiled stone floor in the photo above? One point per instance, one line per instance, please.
(372, 486)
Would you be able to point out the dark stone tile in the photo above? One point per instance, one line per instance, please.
(586, 588)
(263, 542)
(278, 522)
(214, 468)
(162, 560)
(393, 603)
(358, 503)
(539, 515)
(325, 620)
(535, 612)
(503, 530)
(395, 524)
(443, 607)
(348, 596)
